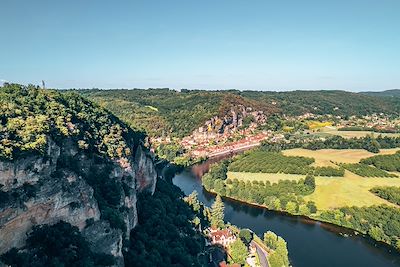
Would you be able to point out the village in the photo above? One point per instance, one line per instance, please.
(245, 130)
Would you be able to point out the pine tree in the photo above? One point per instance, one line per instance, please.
(217, 213)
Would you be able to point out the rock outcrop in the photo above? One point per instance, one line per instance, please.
(61, 192)
(104, 239)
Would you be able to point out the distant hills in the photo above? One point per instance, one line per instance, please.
(390, 93)
(169, 112)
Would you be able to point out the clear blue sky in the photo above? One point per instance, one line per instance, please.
(206, 44)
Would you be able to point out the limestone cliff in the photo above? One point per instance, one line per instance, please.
(61, 192)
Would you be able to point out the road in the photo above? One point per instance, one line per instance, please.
(262, 254)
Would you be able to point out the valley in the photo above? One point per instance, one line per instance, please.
(70, 165)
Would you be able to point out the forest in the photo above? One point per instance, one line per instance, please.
(365, 170)
(390, 193)
(276, 162)
(60, 244)
(369, 143)
(165, 235)
(162, 112)
(285, 195)
(29, 116)
(389, 163)
(381, 223)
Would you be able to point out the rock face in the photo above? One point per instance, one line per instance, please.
(231, 122)
(104, 239)
(61, 193)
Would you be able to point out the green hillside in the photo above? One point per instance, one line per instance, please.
(168, 112)
(29, 116)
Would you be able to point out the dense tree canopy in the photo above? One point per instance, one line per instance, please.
(384, 162)
(56, 245)
(366, 170)
(260, 160)
(29, 116)
(167, 112)
(165, 235)
(390, 193)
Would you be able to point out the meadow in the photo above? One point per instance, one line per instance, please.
(332, 192)
(358, 134)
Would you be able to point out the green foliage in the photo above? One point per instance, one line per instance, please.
(368, 143)
(279, 256)
(291, 207)
(193, 201)
(166, 112)
(169, 151)
(311, 206)
(29, 116)
(274, 196)
(173, 113)
(56, 245)
(217, 213)
(368, 129)
(327, 102)
(238, 252)
(380, 222)
(384, 162)
(390, 193)
(366, 170)
(165, 235)
(263, 161)
(246, 236)
(309, 181)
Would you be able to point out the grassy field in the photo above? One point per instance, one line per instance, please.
(272, 177)
(323, 157)
(351, 134)
(350, 190)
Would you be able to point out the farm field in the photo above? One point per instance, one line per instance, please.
(323, 157)
(351, 134)
(350, 190)
(272, 177)
(333, 192)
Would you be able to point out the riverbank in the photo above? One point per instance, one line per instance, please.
(343, 229)
(331, 243)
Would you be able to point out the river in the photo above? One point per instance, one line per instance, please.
(310, 243)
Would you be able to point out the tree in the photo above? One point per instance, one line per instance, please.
(312, 207)
(217, 212)
(275, 260)
(194, 201)
(291, 207)
(246, 235)
(310, 182)
(304, 210)
(270, 239)
(238, 252)
(377, 233)
(276, 204)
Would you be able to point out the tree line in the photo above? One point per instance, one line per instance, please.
(390, 193)
(389, 163)
(263, 161)
(368, 143)
(381, 223)
(365, 170)
(285, 195)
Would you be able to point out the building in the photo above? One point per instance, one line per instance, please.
(224, 264)
(222, 237)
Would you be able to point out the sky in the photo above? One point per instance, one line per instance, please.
(205, 44)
